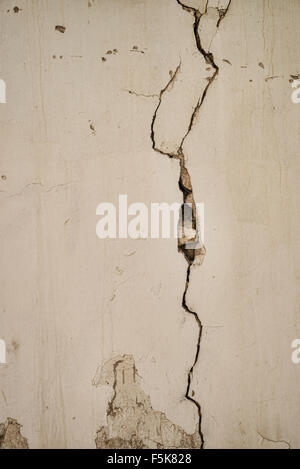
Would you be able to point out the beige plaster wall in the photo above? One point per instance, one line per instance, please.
(102, 335)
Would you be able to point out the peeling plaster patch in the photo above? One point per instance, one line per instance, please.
(10, 435)
(131, 421)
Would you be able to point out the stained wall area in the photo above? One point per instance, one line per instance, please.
(146, 343)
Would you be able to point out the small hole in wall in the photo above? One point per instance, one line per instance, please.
(60, 28)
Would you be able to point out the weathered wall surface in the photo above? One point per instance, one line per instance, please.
(130, 343)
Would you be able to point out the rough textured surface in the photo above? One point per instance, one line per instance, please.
(132, 422)
(11, 437)
(165, 101)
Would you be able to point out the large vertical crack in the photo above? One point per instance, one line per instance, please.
(191, 246)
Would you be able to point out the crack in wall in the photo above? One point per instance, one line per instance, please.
(190, 245)
(275, 441)
(131, 420)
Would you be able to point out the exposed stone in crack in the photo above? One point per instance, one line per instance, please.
(131, 421)
(190, 253)
(189, 243)
(10, 435)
